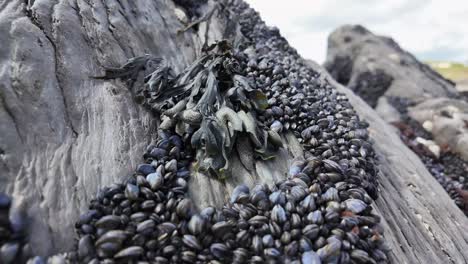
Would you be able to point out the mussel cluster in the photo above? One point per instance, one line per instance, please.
(13, 245)
(449, 170)
(259, 89)
(458, 169)
(321, 213)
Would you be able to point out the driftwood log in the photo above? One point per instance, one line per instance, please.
(422, 224)
(60, 128)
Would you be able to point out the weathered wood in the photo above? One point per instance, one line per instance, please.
(206, 191)
(422, 224)
(65, 135)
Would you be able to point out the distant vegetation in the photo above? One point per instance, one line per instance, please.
(454, 71)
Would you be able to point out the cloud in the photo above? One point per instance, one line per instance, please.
(442, 54)
(351, 12)
(432, 30)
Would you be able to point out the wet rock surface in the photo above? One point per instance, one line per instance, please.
(322, 212)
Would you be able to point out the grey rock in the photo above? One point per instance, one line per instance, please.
(377, 68)
(446, 119)
(374, 66)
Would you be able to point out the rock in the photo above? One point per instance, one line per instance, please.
(447, 120)
(403, 171)
(430, 145)
(428, 126)
(375, 66)
(406, 93)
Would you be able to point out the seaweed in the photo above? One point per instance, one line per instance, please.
(213, 100)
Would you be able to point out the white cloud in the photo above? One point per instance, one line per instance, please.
(432, 30)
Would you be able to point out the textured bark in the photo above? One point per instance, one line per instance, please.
(65, 135)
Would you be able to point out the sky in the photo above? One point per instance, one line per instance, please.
(431, 30)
